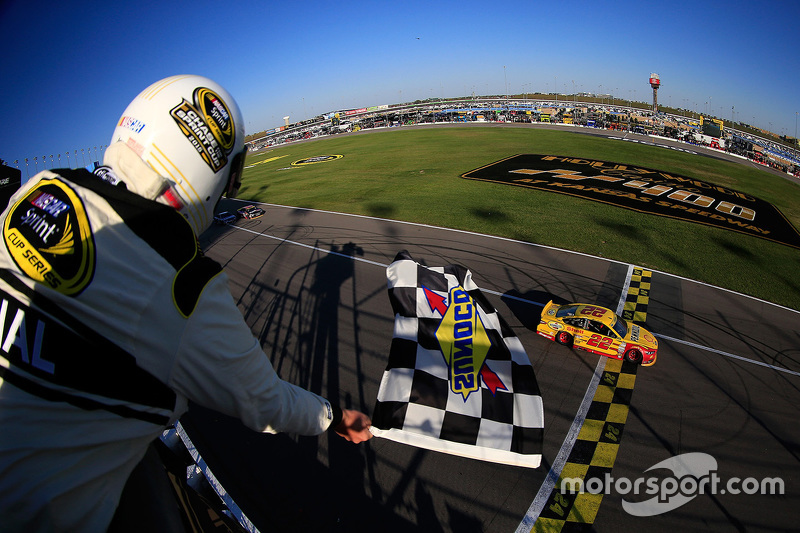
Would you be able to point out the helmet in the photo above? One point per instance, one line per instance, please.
(189, 130)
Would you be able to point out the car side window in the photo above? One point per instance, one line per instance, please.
(610, 332)
(575, 321)
(602, 329)
(594, 326)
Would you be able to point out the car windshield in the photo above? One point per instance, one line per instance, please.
(620, 326)
(566, 311)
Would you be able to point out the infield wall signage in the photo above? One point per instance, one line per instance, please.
(645, 190)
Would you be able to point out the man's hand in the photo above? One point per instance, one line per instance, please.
(354, 426)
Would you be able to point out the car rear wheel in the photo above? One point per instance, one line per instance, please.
(633, 356)
(564, 338)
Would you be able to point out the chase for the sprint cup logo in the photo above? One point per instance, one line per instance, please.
(315, 159)
(208, 124)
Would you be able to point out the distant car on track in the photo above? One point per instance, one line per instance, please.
(597, 330)
(224, 218)
(250, 212)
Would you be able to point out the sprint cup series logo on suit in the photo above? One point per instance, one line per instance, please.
(48, 236)
(208, 125)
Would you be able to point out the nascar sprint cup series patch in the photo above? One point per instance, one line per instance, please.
(48, 236)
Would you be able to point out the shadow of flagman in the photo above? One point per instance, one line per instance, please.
(279, 481)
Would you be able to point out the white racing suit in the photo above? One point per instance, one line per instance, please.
(110, 320)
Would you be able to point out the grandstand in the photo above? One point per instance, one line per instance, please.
(569, 110)
(582, 109)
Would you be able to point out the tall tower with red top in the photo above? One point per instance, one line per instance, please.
(655, 83)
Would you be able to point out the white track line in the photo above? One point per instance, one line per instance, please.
(726, 354)
(534, 245)
(501, 295)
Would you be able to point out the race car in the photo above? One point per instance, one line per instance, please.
(224, 218)
(597, 330)
(250, 211)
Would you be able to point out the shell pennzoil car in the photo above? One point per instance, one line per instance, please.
(597, 330)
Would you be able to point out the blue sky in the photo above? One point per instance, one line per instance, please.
(69, 69)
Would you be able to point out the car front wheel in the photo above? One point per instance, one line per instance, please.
(633, 356)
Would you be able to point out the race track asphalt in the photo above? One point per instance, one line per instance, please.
(312, 287)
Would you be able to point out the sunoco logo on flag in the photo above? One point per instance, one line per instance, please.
(463, 341)
(457, 379)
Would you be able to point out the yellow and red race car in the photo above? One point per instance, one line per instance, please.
(597, 330)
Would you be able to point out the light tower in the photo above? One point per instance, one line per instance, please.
(655, 83)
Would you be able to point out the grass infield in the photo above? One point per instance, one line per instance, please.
(415, 175)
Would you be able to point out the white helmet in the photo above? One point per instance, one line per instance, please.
(189, 130)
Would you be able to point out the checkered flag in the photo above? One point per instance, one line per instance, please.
(458, 380)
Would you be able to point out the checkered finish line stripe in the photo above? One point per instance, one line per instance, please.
(638, 296)
(593, 453)
(595, 449)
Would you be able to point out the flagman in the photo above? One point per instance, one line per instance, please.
(111, 318)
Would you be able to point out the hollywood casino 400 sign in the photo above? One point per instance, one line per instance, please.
(645, 190)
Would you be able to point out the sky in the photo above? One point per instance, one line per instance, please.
(69, 69)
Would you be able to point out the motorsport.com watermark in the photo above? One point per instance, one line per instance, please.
(693, 474)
